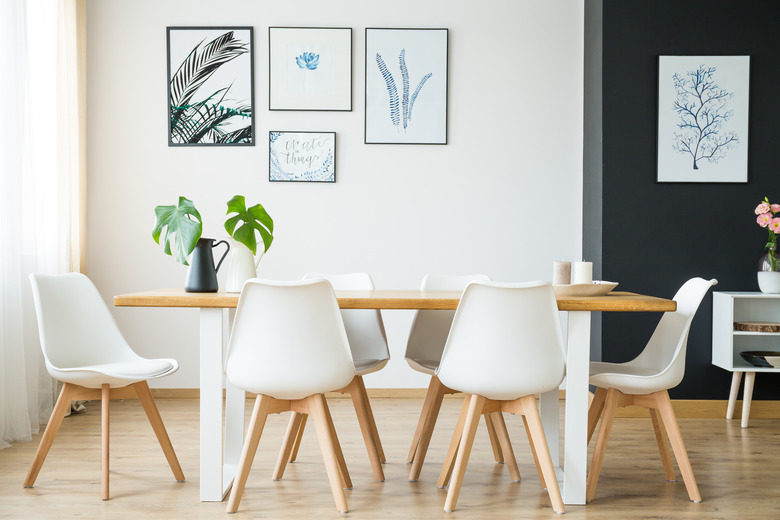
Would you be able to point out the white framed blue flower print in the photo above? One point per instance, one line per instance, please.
(310, 68)
(302, 156)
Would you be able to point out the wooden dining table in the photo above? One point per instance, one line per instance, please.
(219, 453)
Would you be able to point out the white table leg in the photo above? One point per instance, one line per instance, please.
(549, 411)
(575, 451)
(747, 397)
(235, 401)
(211, 375)
(733, 393)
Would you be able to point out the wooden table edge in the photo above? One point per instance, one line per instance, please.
(395, 300)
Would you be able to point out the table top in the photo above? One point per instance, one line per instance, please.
(396, 299)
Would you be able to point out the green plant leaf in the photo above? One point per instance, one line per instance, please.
(180, 227)
(243, 225)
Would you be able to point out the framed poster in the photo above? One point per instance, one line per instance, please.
(703, 118)
(302, 156)
(309, 68)
(210, 86)
(406, 86)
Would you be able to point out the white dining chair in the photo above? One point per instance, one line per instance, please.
(427, 337)
(504, 347)
(644, 381)
(288, 346)
(84, 349)
(368, 344)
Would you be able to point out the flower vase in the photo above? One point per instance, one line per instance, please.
(769, 271)
(242, 266)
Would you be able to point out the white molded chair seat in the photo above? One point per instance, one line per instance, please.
(368, 344)
(644, 381)
(83, 347)
(288, 345)
(427, 337)
(116, 374)
(504, 347)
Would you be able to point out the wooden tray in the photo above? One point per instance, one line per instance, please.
(597, 288)
(757, 326)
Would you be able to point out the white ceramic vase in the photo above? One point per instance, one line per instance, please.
(243, 265)
(769, 282)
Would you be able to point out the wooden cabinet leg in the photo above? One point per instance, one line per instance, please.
(747, 397)
(736, 378)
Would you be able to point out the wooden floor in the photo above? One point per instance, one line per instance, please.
(738, 471)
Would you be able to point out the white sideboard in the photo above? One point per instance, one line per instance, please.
(727, 343)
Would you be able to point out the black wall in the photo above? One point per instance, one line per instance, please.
(653, 236)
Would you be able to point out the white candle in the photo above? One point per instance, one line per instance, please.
(582, 272)
(561, 273)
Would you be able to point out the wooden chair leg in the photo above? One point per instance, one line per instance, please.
(293, 429)
(153, 414)
(531, 413)
(502, 437)
(533, 451)
(55, 421)
(346, 480)
(428, 418)
(678, 446)
(424, 413)
(736, 378)
(476, 403)
(328, 443)
(298, 437)
(595, 409)
(610, 406)
(663, 447)
(495, 443)
(372, 422)
(363, 412)
(254, 431)
(452, 451)
(747, 397)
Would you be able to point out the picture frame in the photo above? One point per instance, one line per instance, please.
(310, 68)
(406, 75)
(703, 109)
(301, 156)
(210, 86)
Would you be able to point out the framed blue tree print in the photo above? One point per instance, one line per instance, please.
(210, 86)
(302, 156)
(310, 68)
(406, 86)
(703, 118)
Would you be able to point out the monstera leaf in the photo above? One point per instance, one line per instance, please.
(245, 222)
(180, 227)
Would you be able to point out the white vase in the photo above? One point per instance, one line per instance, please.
(243, 265)
(769, 282)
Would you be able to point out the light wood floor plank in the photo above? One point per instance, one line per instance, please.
(736, 470)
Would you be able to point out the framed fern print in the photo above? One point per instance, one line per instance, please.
(406, 86)
(210, 86)
(310, 68)
(302, 156)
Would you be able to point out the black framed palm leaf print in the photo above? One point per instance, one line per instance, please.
(210, 86)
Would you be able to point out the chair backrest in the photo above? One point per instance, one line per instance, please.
(75, 325)
(429, 329)
(288, 340)
(365, 328)
(665, 351)
(505, 341)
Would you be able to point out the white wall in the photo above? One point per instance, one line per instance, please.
(503, 197)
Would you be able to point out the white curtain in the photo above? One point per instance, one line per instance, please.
(42, 186)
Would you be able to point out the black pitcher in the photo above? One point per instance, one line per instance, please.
(202, 276)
